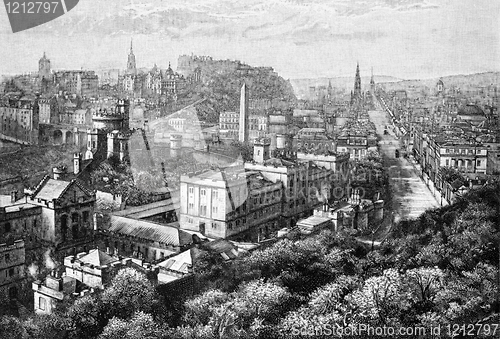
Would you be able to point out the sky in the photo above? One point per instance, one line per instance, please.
(408, 39)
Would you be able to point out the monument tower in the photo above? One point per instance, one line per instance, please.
(243, 132)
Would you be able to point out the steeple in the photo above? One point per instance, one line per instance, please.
(131, 67)
(372, 83)
(357, 83)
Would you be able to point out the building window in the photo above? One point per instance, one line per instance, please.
(41, 303)
(203, 192)
(190, 206)
(11, 272)
(74, 225)
(203, 210)
(85, 216)
(191, 190)
(7, 227)
(214, 209)
(479, 163)
(64, 226)
(215, 194)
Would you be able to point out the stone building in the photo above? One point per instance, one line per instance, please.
(142, 239)
(110, 133)
(229, 124)
(20, 220)
(78, 82)
(253, 202)
(67, 212)
(357, 138)
(313, 139)
(83, 274)
(305, 184)
(12, 269)
(19, 120)
(230, 202)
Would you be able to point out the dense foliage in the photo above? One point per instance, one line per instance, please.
(438, 270)
(221, 86)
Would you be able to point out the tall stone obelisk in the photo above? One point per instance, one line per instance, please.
(243, 132)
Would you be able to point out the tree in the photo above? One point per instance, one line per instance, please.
(469, 296)
(11, 327)
(54, 326)
(140, 326)
(381, 299)
(258, 300)
(129, 291)
(87, 316)
(199, 309)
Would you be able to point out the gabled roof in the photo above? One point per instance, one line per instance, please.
(225, 248)
(97, 258)
(50, 189)
(150, 231)
(179, 262)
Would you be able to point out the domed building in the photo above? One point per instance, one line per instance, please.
(44, 71)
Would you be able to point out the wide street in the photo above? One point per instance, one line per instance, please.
(410, 196)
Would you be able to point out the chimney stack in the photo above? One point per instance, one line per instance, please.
(13, 196)
(59, 172)
(77, 163)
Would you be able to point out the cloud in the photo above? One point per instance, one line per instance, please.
(253, 19)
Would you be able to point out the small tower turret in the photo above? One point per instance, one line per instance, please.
(261, 151)
(77, 163)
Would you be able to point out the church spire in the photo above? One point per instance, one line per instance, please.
(357, 83)
(131, 65)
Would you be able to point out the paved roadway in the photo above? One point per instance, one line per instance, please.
(410, 195)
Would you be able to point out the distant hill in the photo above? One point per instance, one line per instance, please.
(301, 86)
(461, 80)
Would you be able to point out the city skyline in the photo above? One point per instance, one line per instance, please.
(309, 39)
